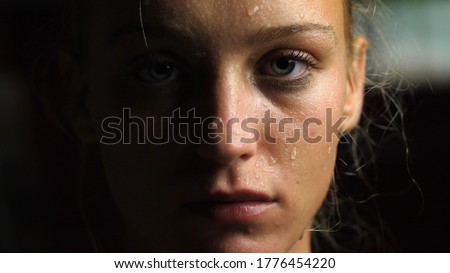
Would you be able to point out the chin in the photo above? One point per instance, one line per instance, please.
(242, 244)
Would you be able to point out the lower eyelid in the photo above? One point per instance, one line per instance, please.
(276, 83)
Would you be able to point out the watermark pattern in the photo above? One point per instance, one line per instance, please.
(187, 127)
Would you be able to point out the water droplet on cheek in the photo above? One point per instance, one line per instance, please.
(272, 161)
(294, 154)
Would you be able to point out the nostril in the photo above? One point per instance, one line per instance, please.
(246, 157)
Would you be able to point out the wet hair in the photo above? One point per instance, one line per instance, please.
(349, 219)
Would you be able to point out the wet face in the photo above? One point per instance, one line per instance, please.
(277, 82)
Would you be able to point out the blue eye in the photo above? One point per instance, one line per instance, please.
(157, 69)
(284, 66)
(158, 72)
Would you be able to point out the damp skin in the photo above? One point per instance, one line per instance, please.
(225, 70)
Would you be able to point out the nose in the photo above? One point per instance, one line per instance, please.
(232, 103)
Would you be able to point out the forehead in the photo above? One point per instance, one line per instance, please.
(215, 20)
(238, 14)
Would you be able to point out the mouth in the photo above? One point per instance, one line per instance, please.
(237, 207)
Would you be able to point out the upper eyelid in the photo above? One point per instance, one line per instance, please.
(144, 59)
(307, 56)
(296, 54)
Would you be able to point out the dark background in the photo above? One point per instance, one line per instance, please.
(39, 210)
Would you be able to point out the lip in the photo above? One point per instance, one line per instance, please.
(237, 207)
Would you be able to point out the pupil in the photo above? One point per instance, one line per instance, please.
(162, 69)
(283, 63)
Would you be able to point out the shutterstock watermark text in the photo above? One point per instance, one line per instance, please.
(186, 127)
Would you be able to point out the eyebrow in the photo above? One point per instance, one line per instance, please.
(158, 31)
(263, 35)
(273, 33)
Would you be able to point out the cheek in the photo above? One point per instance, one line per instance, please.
(306, 150)
(127, 173)
(306, 168)
(305, 174)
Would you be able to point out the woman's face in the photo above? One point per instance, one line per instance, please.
(269, 80)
